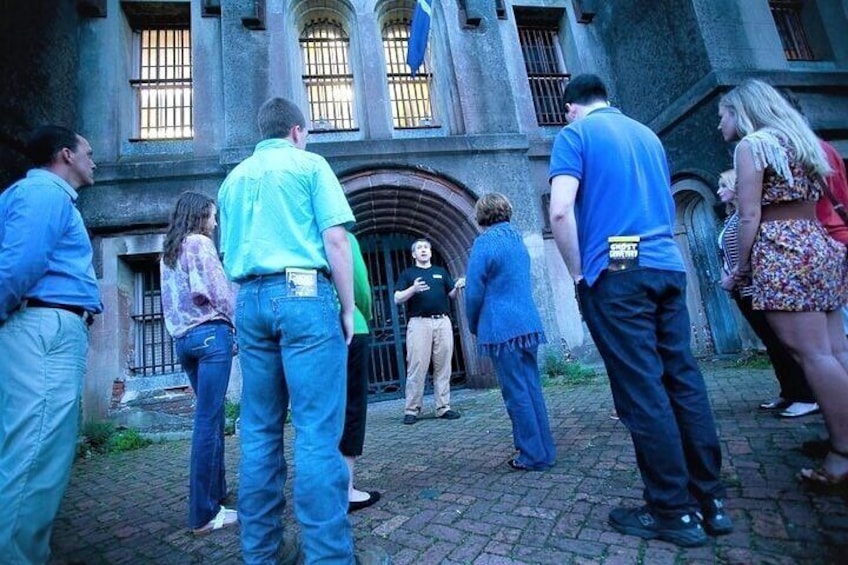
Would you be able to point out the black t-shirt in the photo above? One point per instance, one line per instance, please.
(430, 302)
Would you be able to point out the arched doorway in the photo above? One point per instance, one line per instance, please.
(393, 207)
(713, 324)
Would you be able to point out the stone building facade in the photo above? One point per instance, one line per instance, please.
(412, 156)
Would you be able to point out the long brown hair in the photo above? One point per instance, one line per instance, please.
(189, 216)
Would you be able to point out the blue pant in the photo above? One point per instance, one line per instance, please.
(206, 354)
(639, 322)
(292, 350)
(43, 352)
(518, 374)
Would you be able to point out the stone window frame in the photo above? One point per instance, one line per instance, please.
(539, 32)
(173, 21)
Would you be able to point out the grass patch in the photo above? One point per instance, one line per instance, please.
(559, 370)
(232, 411)
(752, 360)
(105, 437)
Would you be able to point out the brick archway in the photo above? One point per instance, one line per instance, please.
(403, 203)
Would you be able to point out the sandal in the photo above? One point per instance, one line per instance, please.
(822, 477)
(516, 466)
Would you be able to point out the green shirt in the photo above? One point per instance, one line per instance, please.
(361, 289)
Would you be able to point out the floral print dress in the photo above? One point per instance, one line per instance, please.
(796, 266)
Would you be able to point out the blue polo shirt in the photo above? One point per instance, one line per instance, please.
(625, 189)
(274, 207)
(45, 251)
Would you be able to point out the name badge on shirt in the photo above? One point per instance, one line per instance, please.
(302, 282)
(623, 252)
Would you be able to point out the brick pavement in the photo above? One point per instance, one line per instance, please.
(450, 498)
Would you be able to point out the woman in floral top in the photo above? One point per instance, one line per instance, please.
(796, 271)
(198, 305)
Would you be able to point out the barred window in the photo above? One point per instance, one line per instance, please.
(327, 75)
(409, 95)
(154, 348)
(790, 27)
(164, 83)
(543, 61)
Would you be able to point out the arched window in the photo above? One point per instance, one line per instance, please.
(324, 46)
(409, 95)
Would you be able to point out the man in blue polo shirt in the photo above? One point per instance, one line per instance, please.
(612, 215)
(48, 298)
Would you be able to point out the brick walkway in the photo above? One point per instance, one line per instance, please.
(450, 498)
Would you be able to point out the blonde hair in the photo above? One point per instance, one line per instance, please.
(756, 105)
(728, 179)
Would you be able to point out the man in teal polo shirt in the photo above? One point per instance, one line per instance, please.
(284, 220)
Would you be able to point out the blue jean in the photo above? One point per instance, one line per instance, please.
(640, 325)
(292, 350)
(44, 356)
(206, 355)
(518, 374)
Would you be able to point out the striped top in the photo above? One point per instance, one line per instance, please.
(728, 242)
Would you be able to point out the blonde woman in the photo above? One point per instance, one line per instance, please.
(797, 273)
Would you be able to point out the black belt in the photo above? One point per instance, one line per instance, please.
(434, 316)
(86, 316)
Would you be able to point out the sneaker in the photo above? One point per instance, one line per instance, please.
(290, 550)
(798, 409)
(410, 419)
(450, 415)
(225, 517)
(715, 519)
(685, 530)
(776, 404)
(372, 556)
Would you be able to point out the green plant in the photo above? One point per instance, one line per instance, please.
(127, 439)
(232, 410)
(753, 360)
(559, 369)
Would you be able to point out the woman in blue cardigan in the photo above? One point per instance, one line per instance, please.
(503, 316)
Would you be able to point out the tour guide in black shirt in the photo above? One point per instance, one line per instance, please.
(428, 331)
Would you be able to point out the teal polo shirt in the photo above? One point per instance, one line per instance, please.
(274, 207)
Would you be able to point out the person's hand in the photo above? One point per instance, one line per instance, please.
(727, 282)
(347, 326)
(460, 283)
(420, 285)
(741, 275)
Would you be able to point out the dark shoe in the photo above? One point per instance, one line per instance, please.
(450, 415)
(715, 519)
(816, 448)
(685, 530)
(516, 466)
(290, 550)
(373, 497)
(372, 556)
(410, 419)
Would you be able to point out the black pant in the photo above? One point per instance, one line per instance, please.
(790, 375)
(358, 369)
(640, 325)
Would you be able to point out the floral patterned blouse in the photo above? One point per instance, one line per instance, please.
(196, 290)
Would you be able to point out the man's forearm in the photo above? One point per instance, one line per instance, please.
(564, 229)
(402, 296)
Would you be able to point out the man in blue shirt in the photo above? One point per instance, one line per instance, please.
(284, 220)
(612, 216)
(48, 298)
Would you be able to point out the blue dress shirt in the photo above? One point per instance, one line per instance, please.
(45, 251)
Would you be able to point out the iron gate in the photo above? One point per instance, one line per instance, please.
(386, 256)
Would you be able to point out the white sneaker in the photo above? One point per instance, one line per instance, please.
(798, 409)
(225, 517)
(777, 404)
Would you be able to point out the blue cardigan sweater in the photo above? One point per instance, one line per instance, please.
(498, 300)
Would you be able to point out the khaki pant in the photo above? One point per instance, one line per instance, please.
(426, 339)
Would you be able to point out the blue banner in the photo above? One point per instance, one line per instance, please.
(418, 34)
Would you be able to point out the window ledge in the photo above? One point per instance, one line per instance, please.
(133, 147)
